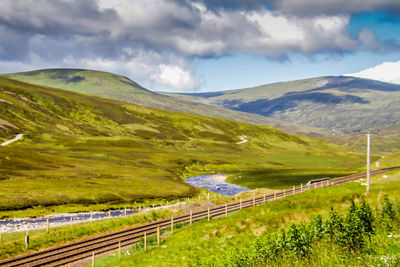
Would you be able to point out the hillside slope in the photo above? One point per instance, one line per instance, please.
(85, 149)
(339, 103)
(117, 87)
(384, 139)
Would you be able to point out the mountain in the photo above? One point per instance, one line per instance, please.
(336, 104)
(81, 149)
(121, 88)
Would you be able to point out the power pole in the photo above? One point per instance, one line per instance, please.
(368, 160)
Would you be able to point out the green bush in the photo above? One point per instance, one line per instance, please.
(349, 234)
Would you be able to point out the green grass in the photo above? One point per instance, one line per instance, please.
(281, 179)
(238, 229)
(85, 150)
(121, 88)
(12, 244)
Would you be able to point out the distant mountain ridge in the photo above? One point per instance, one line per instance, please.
(334, 103)
(113, 86)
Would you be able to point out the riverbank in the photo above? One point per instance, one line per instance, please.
(61, 219)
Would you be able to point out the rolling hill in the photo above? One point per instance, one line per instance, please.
(336, 104)
(81, 149)
(121, 88)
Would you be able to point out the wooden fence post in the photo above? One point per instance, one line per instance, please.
(172, 225)
(208, 214)
(208, 196)
(47, 225)
(240, 203)
(145, 242)
(301, 188)
(264, 198)
(125, 211)
(158, 235)
(294, 189)
(254, 200)
(190, 218)
(226, 209)
(27, 239)
(274, 195)
(119, 249)
(284, 192)
(93, 259)
(70, 220)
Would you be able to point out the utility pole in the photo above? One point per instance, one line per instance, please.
(368, 160)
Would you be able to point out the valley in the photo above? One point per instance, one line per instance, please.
(199, 133)
(138, 153)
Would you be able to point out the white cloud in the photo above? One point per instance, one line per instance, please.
(386, 72)
(151, 70)
(281, 34)
(154, 41)
(175, 77)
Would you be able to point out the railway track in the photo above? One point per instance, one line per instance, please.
(66, 254)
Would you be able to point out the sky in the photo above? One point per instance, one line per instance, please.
(204, 45)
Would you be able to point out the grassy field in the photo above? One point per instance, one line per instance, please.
(86, 151)
(223, 236)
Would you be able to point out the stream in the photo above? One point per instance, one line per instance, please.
(212, 182)
(216, 183)
(59, 219)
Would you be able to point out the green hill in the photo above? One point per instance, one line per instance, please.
(81, 149)
(385, 139)
(341, 104)
(121, 88)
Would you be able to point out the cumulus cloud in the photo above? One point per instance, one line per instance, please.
(154, 41)
(175, 77)
(386, 72)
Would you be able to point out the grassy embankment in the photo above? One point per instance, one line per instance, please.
(82, 151)
(223, 238)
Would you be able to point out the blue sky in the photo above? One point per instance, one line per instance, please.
(204, 45)
(252, 70)
(244, 70)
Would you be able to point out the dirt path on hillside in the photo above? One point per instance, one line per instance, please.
(18, 137)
